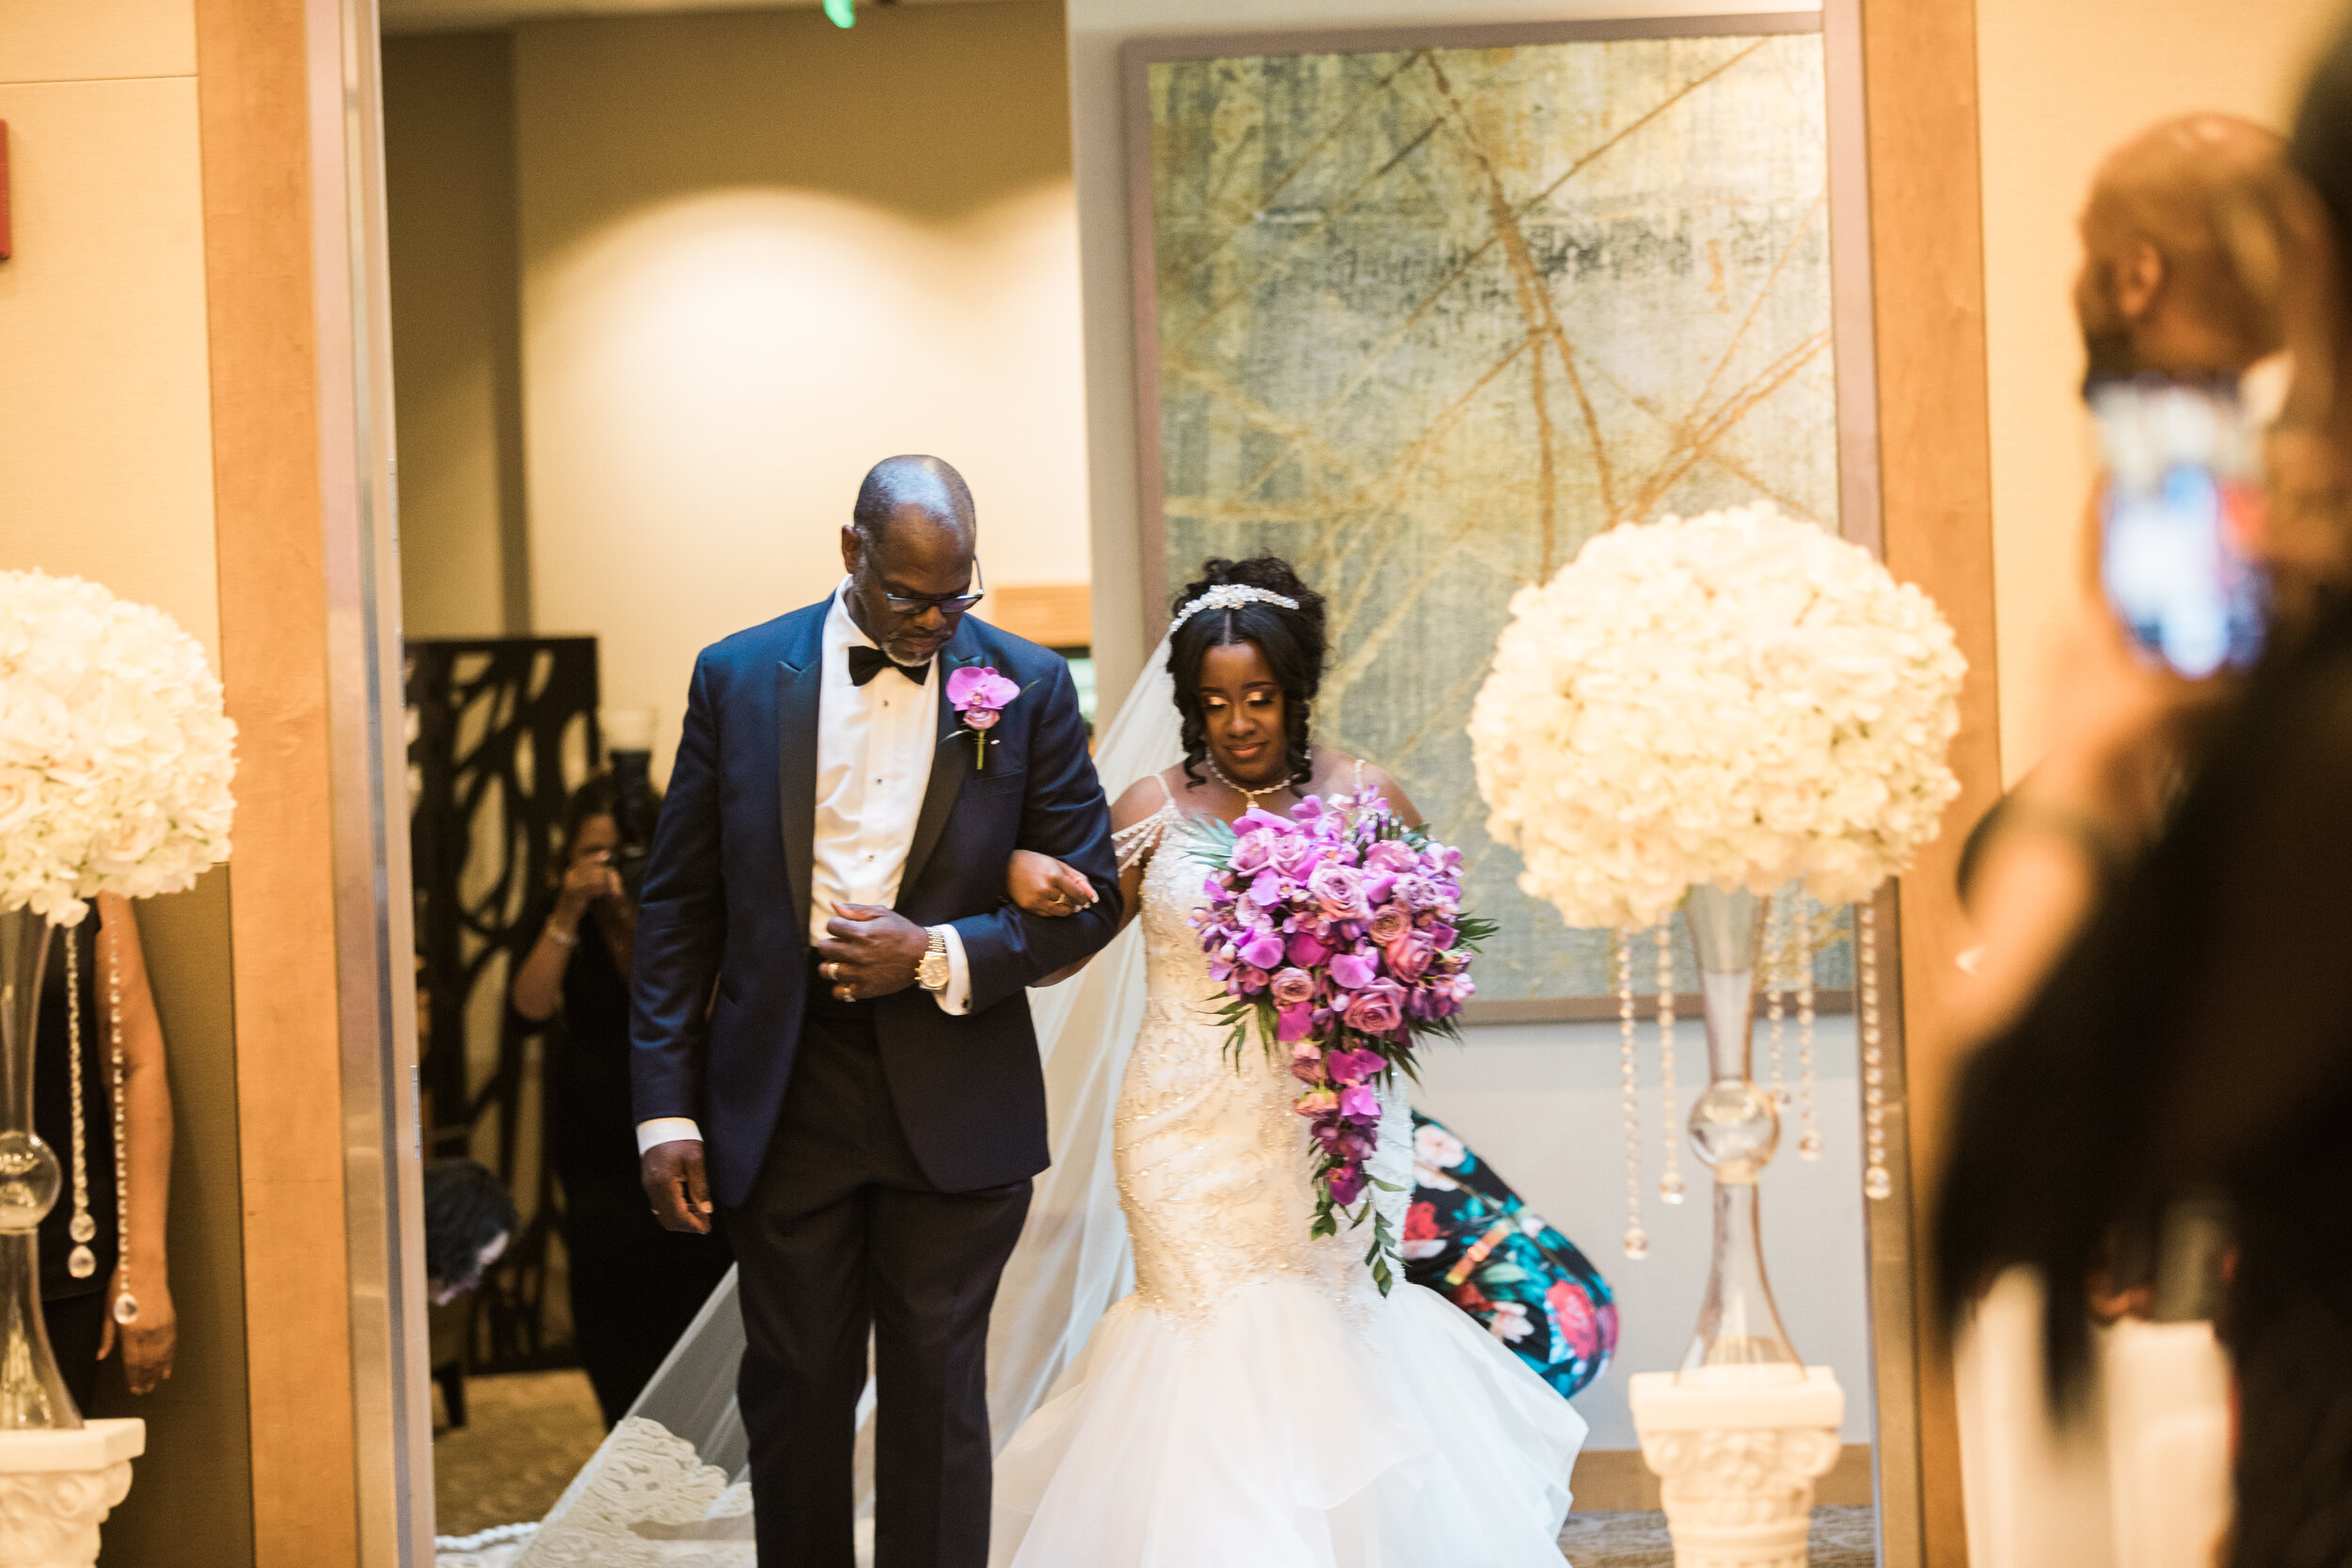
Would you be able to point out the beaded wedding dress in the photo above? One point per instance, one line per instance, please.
(1256, 1402)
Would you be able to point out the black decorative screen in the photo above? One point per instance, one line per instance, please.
(501, 732)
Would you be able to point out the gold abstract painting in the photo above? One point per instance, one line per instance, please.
(1427, 320)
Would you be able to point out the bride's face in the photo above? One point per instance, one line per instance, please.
(1241, 703)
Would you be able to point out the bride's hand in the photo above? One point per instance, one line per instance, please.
(1044, 886)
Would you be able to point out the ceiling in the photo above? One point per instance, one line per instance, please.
(449, 16)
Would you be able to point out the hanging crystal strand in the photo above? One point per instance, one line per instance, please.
(1776, 993)
(126, 1305)
(1876, 1184)
(81, 1262)
(1810, 1144)
(1636, 1239)
(1670, 1185)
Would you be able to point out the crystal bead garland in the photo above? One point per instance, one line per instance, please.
(126, 1307)
(1636, 1239)
(1809, 1141)
(1670, 1185)
(81, 1262)
(1876, 1182)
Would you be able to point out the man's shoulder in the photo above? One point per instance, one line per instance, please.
(787, 639)
(1016, 654)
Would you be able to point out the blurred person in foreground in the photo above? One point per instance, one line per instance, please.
(2193, 1031)
(634, 1286)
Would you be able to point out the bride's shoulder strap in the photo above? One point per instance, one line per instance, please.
(1140, 838)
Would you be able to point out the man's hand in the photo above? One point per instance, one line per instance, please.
(871, 952)
(675, 1184)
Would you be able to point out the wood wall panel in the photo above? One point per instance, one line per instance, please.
(254, 91)
(1928, 259)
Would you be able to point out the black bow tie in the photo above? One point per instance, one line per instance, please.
(866, 663)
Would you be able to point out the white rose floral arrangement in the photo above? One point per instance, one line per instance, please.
(115, 756)
(1740, 698)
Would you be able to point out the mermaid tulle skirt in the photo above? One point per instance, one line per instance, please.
(1284, 1433)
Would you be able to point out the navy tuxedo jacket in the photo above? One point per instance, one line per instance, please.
(726, 899)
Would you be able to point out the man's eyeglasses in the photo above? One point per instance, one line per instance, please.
(950, 605)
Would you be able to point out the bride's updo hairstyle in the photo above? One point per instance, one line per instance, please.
(1292, 642)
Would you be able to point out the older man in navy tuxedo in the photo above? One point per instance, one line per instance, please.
(834, 1059)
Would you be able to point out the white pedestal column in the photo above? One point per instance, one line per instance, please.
(1737, 1465)
(56, 1486)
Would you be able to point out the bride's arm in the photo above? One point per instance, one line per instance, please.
(1142, 799)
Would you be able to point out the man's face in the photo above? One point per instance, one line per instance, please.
(917, 557)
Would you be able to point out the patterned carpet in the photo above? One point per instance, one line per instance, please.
(526, 1435)
(1842, 1538)
(529, 1432)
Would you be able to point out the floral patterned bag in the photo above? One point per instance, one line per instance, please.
(1469, 1238)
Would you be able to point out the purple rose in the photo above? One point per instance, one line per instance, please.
(1408, 955)
(1307, 1062)
(1347, 1183)
(1419, 893)
(1293, 987)
(1337, 889)
(1389, 922)
(1354, 1066)
(1390, 855)
(1251, 853)
(1352, 972)
(1307, 950)
(1292, 854)
(1379, 1008)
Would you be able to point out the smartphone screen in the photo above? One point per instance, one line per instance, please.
(2179, 522)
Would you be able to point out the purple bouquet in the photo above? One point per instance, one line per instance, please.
(1339, 931)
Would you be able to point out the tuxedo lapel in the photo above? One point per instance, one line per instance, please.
(951, 761)
(800, 682)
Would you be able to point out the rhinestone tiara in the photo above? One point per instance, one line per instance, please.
(1229, 595)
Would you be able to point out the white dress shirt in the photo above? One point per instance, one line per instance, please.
(874, 745)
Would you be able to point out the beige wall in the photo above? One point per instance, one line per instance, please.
(449, 154)
(759, 253)
(105, 472)
(2061, 85)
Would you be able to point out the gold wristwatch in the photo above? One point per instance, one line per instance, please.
(932, 974)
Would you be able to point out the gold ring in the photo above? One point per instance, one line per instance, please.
(833, 972)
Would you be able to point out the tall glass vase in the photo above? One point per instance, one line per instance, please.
(1740, 1341)
(32, 1395)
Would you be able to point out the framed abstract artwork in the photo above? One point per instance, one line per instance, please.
(1424, 311)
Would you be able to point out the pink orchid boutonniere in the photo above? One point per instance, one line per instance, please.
(978, 695)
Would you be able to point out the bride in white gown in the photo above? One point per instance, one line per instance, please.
(1226, 1393)
(1256, 1401)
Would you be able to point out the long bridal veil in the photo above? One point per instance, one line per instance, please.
(668, 1486)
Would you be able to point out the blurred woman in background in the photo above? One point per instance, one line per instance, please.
(2195, 1036)
(634, 1286)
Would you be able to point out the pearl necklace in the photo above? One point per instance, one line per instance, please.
(1243, 791)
